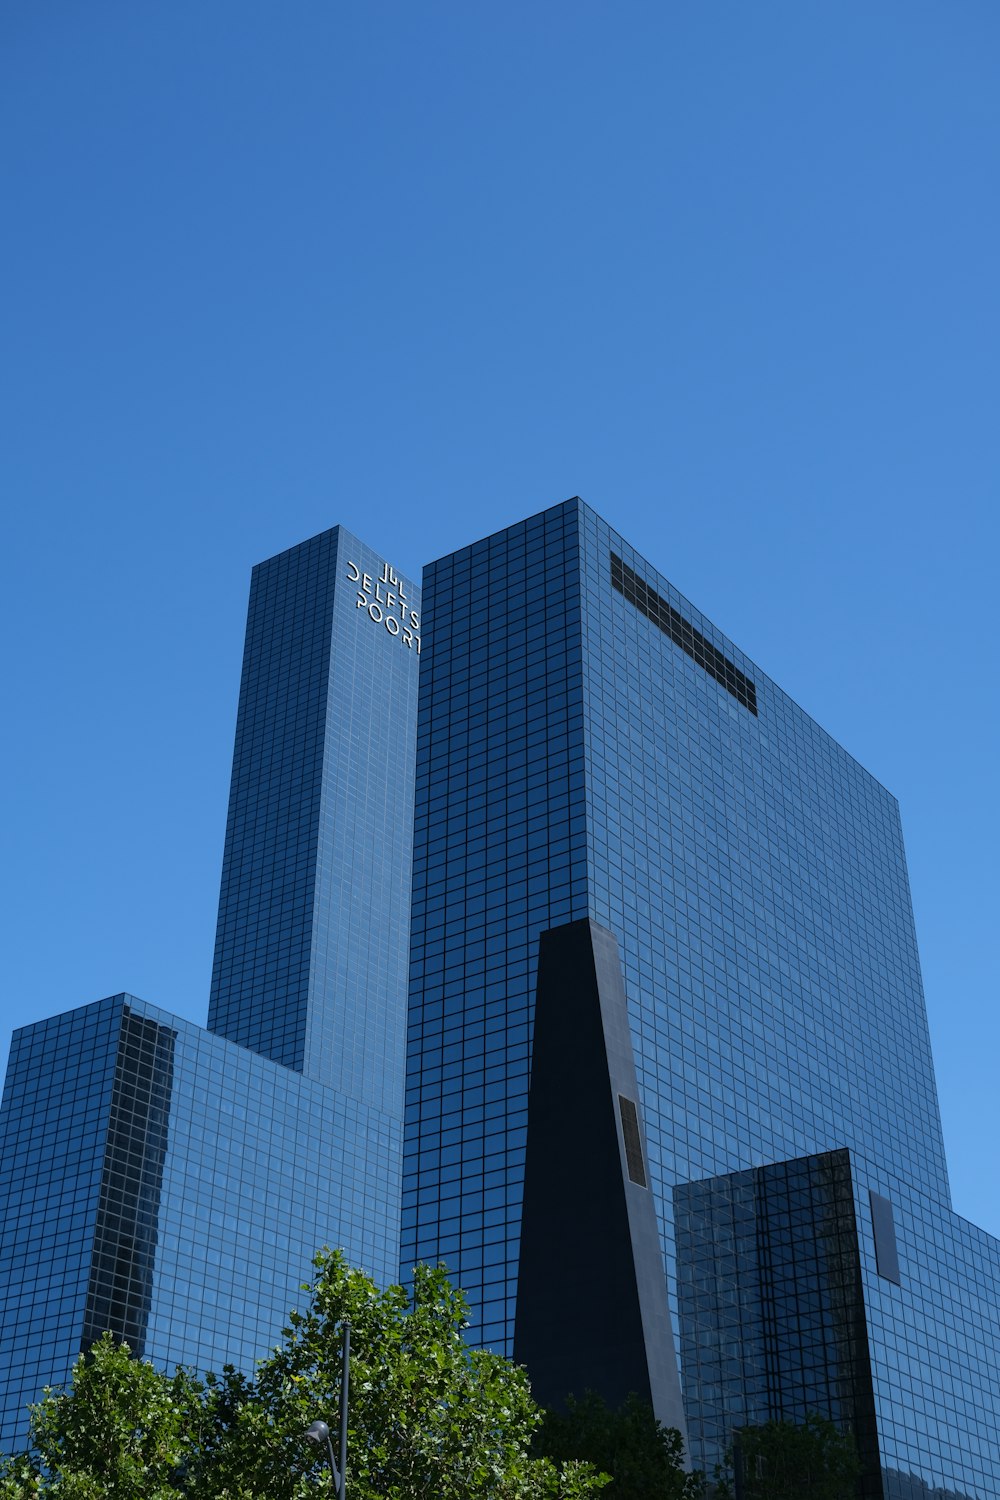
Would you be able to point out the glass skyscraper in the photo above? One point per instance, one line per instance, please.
(592, 754)
(670, 1113)
(173, 1183)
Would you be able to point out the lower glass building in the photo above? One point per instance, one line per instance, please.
(772, 1305)
(593, 754)
(170, 1183)
(802, 1291)
(171, 1186)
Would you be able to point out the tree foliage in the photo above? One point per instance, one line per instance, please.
(786, 1460)
(119, 1433)
(644, 1459)
(430, 1418)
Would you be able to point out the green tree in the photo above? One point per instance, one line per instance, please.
(120, 1432)
(430, 1418)
(644, 1459)
(789, 1460)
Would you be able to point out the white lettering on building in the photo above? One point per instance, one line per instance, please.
(384, 601)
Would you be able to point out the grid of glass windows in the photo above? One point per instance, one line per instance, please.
(574, 759)
(164, 1181)
(260, 976)
(935, 1344)
(53, 1125)
(499, 855)
(583, 749)
(755, 876)
(772, 1316)
(783, 1311)
(356, 1032)
(125, 1236)
(318, 837)
(174, 1186)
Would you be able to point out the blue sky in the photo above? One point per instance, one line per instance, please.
(728, 271)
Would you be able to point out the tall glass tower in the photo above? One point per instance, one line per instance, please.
(619, 815)
(670, 1108)
(173, 1183)
(312, 943)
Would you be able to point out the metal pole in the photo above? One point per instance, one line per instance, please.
(739, 1488)
(345, 1380)
(333, 1464)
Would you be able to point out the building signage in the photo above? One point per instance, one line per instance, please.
(384, 601)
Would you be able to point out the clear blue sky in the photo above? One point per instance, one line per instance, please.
(729, 271)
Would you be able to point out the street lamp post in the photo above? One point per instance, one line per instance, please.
(319, 1432)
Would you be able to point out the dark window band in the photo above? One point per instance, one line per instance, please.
(883, 1224)
(633, 1141)
(649, 603)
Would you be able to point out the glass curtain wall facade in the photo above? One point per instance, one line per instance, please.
(772, 1305)
(171, 1186)
(500, 854)
(173, 1183)
(589, 745)
(312, 945)
(802, 1290)
(729, 1011)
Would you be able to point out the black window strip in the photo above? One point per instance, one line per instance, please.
(883, 1225)
(633, 1141)
(682, 633)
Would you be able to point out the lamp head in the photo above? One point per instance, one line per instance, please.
(317, 1432)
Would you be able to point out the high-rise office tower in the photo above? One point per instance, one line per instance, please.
(172, 1183)
(312, 945)
(637, 856)
(671, 1116)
